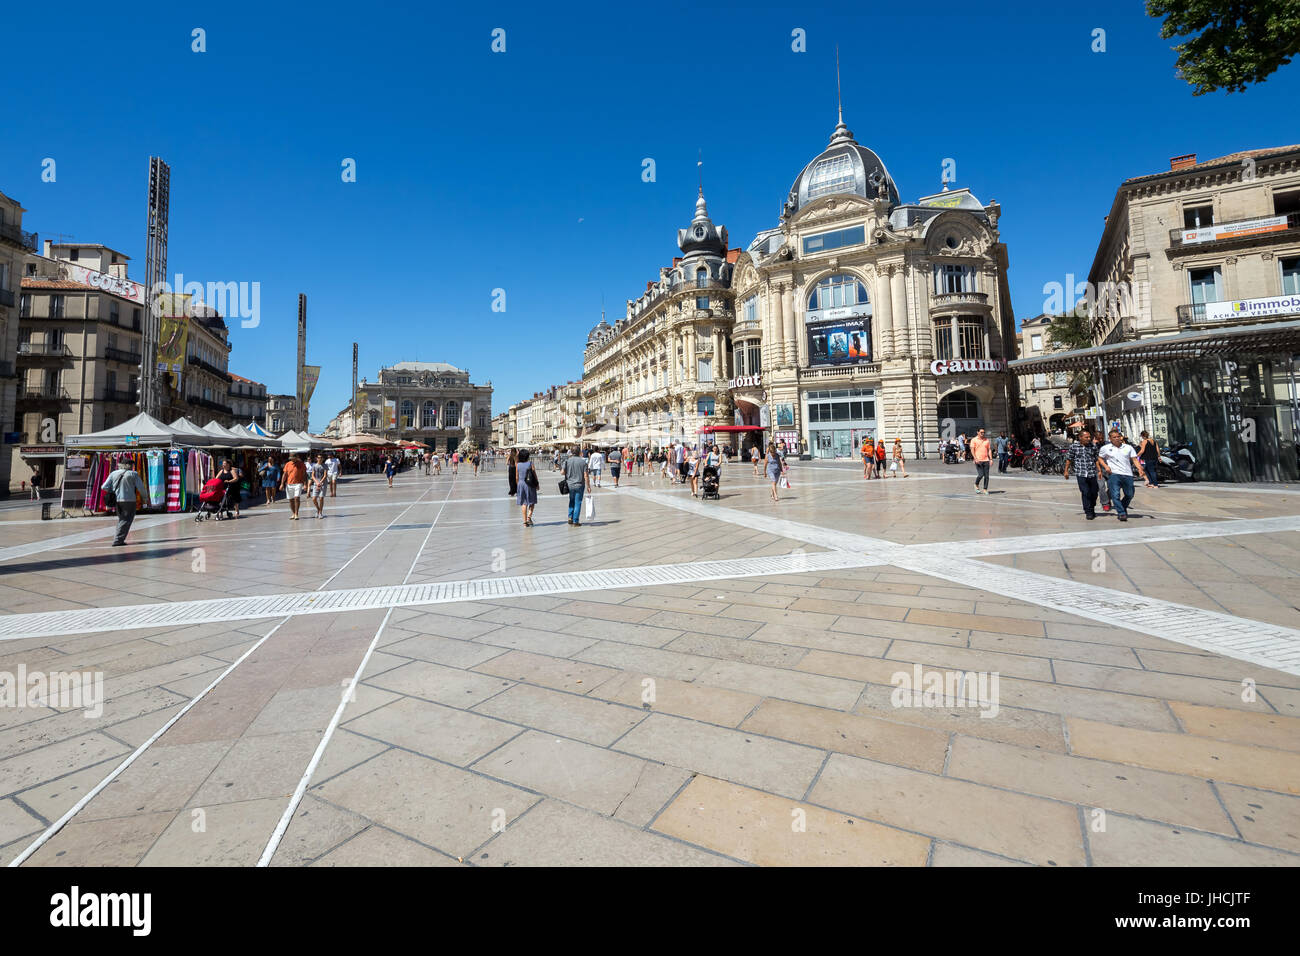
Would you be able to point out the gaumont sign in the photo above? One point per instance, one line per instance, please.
(107, 283)
(949, 366)
(746, 381)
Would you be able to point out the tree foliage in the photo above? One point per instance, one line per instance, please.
(1231, 43)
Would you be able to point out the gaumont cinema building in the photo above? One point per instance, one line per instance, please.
(858, 315)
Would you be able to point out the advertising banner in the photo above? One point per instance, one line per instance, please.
(1249, 308)
(173, 337)
(1235, 230)
(844, 341)
(390, 413)
(124, 288)
(310, 376)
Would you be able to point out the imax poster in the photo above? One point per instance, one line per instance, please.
(840, 342)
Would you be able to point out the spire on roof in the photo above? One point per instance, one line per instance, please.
(842, 133)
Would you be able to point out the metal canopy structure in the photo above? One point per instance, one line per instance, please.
(1270, 337)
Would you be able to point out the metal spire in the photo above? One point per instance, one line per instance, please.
(699, 166)
(839, 101)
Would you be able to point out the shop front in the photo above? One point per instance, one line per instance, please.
(838, 420)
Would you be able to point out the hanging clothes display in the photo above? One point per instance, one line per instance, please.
(167, 474)
(174, 480)
(157, 478)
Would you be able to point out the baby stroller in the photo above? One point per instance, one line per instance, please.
(212, 501)
(710, 483)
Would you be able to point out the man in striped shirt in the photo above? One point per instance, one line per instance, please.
(1081, 458)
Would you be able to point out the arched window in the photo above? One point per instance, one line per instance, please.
(961, 407)
(482, 419)
(408, 413)
(836, 292)
(701, 277)
(373, 418)
(429, 415)
(452, 418)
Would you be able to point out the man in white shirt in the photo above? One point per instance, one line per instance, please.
(332, 467)
(595, 464)
(1117, 461)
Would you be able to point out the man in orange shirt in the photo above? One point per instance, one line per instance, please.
(292, 481)
(981, 452)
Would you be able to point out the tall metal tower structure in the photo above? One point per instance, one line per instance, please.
(155, 273)
(354, 388)
(302, 361)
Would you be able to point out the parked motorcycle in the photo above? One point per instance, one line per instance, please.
(1177, 463)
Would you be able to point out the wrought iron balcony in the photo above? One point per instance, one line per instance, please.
(14, 235)
(208, 367)
(1240, 231)
(117, 395)
(121, 355)
(43, 350)
(36, 392)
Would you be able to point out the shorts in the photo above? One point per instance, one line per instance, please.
(317, 491)
(293, 491)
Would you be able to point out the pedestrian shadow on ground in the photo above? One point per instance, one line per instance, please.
(114, 556)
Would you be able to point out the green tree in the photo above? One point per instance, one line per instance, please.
(1070, 331)
(1232, 43)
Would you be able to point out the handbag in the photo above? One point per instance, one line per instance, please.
(564, 486)
(589, 507)
(785, 482)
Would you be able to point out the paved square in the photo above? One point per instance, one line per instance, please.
(884, 673)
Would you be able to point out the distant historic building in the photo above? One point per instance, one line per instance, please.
(431, 402)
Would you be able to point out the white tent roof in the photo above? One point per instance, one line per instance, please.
(301, 441)
(143, 429)
(232, 437)
(257, 430)
(192, 432)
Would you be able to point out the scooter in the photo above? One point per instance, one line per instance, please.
(1177, 463)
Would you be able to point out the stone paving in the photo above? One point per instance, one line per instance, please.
(1109, 695)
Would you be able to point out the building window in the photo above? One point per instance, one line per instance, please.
(738, 362)
(971, 336)
(959, 405)
(56, 307)
(1206, 284)
(1040, 380)
(408, 412)
(109, 420)
(755, 361)
(749, 309)
(452, 418)
(74, 255)
(25, 305)
(1291, 276)
(1286, 203)
(943, 338)
(838, 291)
(1036, 343)
(704, 370)
(482, 419)
(373, 418)
(832, 175)
(951, 277)
(701, 302)
(1058, 402)
(429, 415)
(1198, 217)
(55, 338)
(704, 406)
(837, 239)
(701, 278)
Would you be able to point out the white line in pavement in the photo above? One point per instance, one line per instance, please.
(274, 843)
(97, 620)
(53, 544)
(60, 823)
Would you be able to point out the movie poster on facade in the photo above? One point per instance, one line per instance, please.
(839, 341)
(784, 414)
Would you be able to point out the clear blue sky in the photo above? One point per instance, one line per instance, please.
(522, 170)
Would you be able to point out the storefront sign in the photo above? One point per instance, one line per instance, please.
(1235, 230)
(947, 367)
(746, 381)
(107, 283)
(41, 451)
(1248, 308)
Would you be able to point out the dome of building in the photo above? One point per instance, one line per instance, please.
(702, 237)
(845, 168)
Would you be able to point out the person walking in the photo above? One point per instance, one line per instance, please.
(753, 456)
(124, 484)
(512, 476)
(982, 454)
(681, 463)
(693, 470)
(596, 464)
(526, 479)
(317, 483)
(455, 463)
(292, 479)
(775, 468)
(579, 482)
(477, 461)
(880, 458)
(230, 477)
(1004, 452)
(390, 469)
(1117, 461)
(36, 485)
(1149, 452)
(269, 475)
(1081, 458)
(332, 468)
(898, 465)
(868, 456)
(615, 464)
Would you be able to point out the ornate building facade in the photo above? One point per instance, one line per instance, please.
(431, 402)
(857, 315)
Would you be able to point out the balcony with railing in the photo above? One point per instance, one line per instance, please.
(14, 235)
(948, 301)
(208, 367)
(37, 350)
(122, 355)
(839, 371)
(208, 403)
(1284, 227)
(32, 393)
(128, 397)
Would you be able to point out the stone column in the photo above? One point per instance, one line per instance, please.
(903, 325)
(778, 327)
(884, 316)
(791, 333)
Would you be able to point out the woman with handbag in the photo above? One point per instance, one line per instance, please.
(526, 479)
(896, 466)
(775, 468)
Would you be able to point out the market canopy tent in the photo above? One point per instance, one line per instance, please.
(193, 433)
(236, 437)
(301, 441)
(258, 430)
(363, 441)
(141, 430)
(607, 434)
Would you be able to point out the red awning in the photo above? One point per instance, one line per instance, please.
(732, 428)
